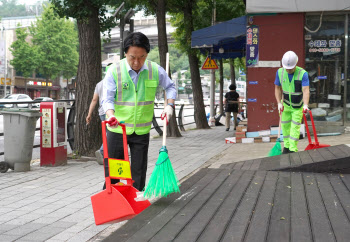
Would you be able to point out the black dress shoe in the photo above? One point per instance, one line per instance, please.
(285, 150)
(227, 129)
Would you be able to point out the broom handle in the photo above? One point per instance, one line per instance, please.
(164, 131)
(279, 128)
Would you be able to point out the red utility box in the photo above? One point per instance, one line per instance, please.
(53, 137)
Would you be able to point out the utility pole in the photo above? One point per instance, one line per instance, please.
(212, 71)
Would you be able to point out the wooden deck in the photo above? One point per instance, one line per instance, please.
(295, 197)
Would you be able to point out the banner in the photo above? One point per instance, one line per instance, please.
(252, 51)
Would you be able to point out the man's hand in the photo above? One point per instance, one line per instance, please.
(167, 112)
(112, 122)
(280, 107)
(305, 108)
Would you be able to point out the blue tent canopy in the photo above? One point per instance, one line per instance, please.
(229, 35)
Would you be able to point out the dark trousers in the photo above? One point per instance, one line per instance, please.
(139, 154)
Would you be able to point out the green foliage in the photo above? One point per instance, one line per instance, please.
(10, 8)
(56, 42)
(24, 54)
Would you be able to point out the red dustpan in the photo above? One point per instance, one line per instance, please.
(117, 202)
(312, 145)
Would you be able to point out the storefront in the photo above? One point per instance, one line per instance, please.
(36, 88)
(320, 39)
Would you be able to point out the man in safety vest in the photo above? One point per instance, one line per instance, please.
(291, 88)
(129, 90)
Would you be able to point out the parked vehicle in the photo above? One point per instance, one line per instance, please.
(15, 98)
(41, 99)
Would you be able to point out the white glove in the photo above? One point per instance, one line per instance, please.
(112, 122)
(280, 107)
(305, 108)
(168, 112)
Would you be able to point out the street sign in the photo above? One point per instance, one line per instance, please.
(209, 64)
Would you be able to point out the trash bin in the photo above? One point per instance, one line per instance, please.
(19, 130)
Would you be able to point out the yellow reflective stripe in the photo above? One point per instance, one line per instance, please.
(149, 70)
(124, 103)
(145, 103)
(144, 124)
(120, 87)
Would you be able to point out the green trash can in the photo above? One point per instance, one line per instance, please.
(19, 130)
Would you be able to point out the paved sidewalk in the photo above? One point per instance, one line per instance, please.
(53, 203)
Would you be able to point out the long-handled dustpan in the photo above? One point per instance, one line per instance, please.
(117, 202)
(316, 144)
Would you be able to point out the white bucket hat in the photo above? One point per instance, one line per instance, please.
(289, 60)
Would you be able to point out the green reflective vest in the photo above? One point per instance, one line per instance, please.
(135, 105)
(292, 90)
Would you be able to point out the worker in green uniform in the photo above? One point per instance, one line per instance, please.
(292, 94)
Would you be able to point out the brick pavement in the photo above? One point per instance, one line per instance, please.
(53, 203)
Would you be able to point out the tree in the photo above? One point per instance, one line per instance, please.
(92, 20)
(10, 8)
(24, 55)
(55, 42)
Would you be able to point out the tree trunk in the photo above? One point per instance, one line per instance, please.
(199, 110)
(221, 86)
(87, 139)
(172, 128)
(232, 70)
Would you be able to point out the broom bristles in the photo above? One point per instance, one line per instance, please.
(276, 150)
(163, 180)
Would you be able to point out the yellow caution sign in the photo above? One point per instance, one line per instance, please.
(119, 168)
(209, 64)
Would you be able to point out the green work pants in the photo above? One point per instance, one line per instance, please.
(291, 120)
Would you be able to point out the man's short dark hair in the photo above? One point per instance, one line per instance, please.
(136, 39)
(232, 87)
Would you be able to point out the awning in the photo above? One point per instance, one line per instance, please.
(229, 35)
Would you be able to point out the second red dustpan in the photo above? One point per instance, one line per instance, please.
(117, 202)
(316, 144)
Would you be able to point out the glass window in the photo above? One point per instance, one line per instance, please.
(325, 65)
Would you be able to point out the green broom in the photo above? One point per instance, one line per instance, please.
(163, 180)
(277, 149)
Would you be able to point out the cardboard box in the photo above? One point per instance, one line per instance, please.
(240, 134)
(264, 132)
(241, 128)
(239, 140)
(230, 140)
(266, 139)
(258, 140)
(247, 140)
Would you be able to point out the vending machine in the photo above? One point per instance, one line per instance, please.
(53, 135)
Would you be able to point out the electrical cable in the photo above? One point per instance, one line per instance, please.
(318, 28)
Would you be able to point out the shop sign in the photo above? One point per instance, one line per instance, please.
(8, 81)
(253, 82)
(324, 46)
(252, 53)
(39, 83)
(253, 100)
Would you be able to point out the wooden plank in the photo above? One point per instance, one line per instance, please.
(186, 214)
(337, 152)
(341, 191)
(238, 165)
(320, 224)
(285, 161)
(300, 224)
(194, 228)
(295, 159)
(247, 165)
(256, 164)
(339, 220)
(305, 157)
(279, 227)
(236, 229)
(128, 229)
(216, 226)
(156, 223)
(345, 149)
(259, 224)
(315, 155)
(326, 154)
